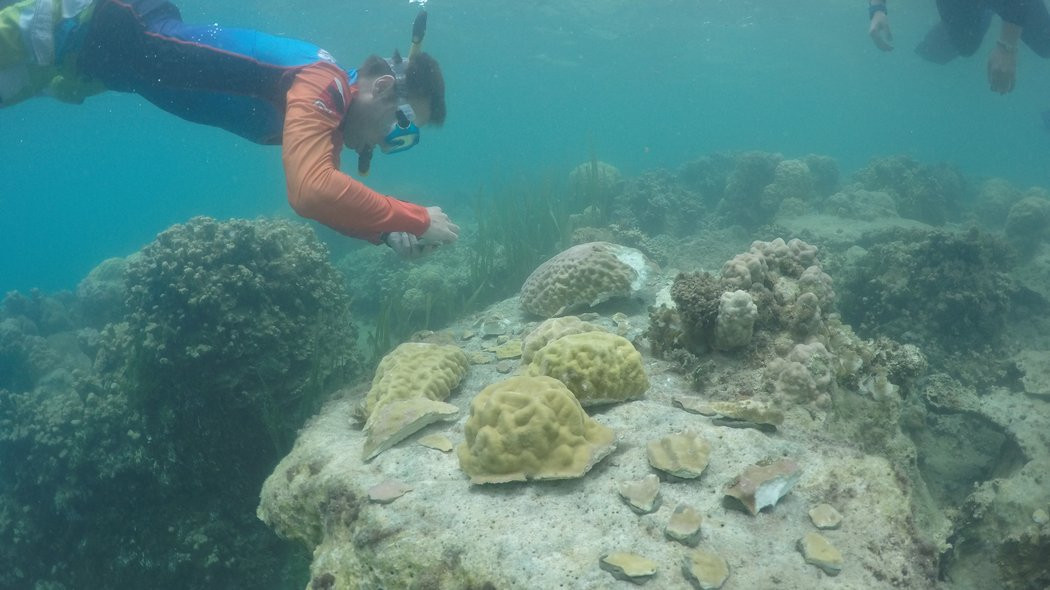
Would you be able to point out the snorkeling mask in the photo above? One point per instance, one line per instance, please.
(404, 133)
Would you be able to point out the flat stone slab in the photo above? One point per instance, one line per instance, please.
(763, 485)
(824, 516)
(705, 570)
(818, 551)
(629, 567)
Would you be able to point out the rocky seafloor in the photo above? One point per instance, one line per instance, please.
(440, 531)
(885, 366)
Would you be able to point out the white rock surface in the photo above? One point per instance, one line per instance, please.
(551, 534)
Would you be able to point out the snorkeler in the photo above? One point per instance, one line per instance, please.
(267, 89)
(963, 26)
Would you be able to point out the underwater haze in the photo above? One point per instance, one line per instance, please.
(532, 86)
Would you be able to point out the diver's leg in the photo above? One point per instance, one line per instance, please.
(145, 42)
(1036, 30)
(960, 32)
(226, 77)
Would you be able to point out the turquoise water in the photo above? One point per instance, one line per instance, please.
(532, 86)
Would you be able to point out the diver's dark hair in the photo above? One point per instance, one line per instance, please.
(424, 80)
(374, 67)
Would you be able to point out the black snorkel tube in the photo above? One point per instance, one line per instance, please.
(419, 30)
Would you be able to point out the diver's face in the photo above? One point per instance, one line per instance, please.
(374, 110)
(371, 113)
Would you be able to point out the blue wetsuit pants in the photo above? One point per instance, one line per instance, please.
(235, 79)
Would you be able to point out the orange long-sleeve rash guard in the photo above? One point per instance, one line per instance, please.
(316, 105)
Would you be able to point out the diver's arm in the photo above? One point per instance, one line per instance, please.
(1002, 62)
(1013, 13)
(879, 26)
(1009, 35)
(311, 145)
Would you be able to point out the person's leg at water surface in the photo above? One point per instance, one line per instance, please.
(960, 31)
(963, 26)
(38, 42)
(1022, 20)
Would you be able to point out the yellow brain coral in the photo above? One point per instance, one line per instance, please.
(598, 367)
(584, 275)
(407, 393)
(530, 428)
(552, 329)
(416, 369)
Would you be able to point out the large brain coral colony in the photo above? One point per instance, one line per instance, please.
(530, 428)
(584, 275)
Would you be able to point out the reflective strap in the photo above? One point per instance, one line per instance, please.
(73, 8)
(37, 24)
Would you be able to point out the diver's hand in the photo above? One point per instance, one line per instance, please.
(879, 31)
(1002, 69)
(407, 245)
(441, 230)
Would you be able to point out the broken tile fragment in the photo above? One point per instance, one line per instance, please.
(388, 491)
(694, 406)
(478, 357)
(642, 495)
(681, 455)
(764, 485)
(392, 422)
(818, 551)
(629, 567)
(684, 525)
(747, 413)
(438, 442)
(508, 350)
(705, 570)
(494, 327)
(824, 516)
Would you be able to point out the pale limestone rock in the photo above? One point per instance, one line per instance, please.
(1035, 365)
(705, 570)
(824, 516)
(642, 495)
(681, 455)
(684, 525)
(764, 485)
(492, 327)
(818, 551)
(629, 567)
